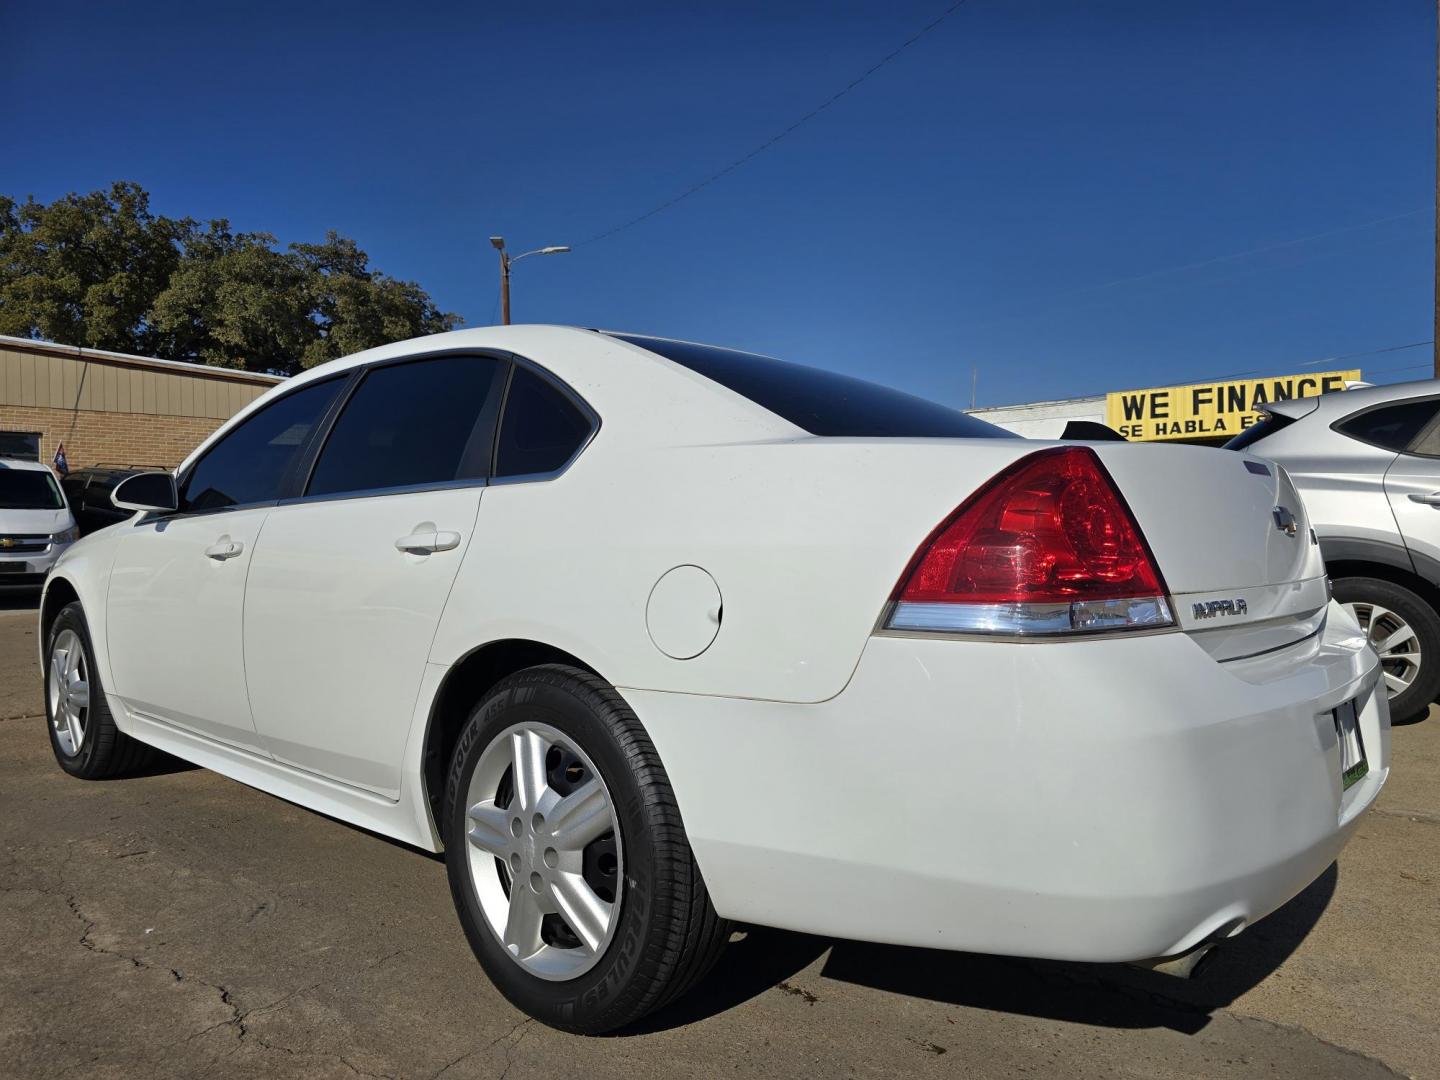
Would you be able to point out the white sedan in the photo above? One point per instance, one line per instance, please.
(650, 636)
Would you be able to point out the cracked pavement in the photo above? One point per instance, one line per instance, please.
(181, 925)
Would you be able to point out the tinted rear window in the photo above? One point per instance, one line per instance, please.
(821, 402)
(541, 429)
(1394, 427)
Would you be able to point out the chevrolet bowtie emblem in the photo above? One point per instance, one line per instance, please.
(1284, 520)
(6, 542)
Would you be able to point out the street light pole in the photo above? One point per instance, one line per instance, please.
(504, 284)
(498, 243)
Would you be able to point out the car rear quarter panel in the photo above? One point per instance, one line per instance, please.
(806, 538)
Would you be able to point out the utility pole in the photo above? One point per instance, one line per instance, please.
(505, 280)
(498, 243)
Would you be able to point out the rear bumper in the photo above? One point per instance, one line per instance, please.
(1095, 800)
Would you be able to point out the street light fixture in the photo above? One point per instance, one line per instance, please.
(498, 243)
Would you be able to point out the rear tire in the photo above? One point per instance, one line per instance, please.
(1405, 631)
(82, 731)
(661, 933)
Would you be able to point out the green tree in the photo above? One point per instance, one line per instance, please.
(85, 269)
(234, 301)
(356, 308)
(101, 270)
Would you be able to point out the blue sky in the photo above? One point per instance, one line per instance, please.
(1070, 195)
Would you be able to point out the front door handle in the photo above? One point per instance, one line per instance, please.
(224, 548)
(423, 543)
(1433, 499)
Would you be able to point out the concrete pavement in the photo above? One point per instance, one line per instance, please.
(181, 925)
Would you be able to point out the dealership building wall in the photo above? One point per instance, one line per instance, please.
(1043, 419)
(110, 407)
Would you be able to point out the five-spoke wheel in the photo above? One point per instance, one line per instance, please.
(567, 855)
(69, 691)
(83, 734)
(544, 850)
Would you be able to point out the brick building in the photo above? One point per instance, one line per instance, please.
(109, 407)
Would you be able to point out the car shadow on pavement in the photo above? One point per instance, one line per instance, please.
(1105, 995)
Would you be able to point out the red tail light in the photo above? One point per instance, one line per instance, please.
(1048, 546)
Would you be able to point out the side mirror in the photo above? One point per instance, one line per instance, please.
(146, 491)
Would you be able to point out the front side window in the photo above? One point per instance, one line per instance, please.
(541, 430)
(1393, 427)
(420, 422)
(251, 463)
(821, 402)
(28, 489)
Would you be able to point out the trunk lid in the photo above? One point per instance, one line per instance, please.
(1232, 540)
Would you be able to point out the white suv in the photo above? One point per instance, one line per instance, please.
(35, 524)
(1368, 465)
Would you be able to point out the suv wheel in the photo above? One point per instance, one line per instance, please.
(1405, 630)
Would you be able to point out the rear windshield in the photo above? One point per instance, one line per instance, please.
(1268, 424)
(28, 489)
(821, 402)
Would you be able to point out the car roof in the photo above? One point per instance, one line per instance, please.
(23, 465)
(1342, 403)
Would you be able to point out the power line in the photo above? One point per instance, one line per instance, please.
(1408, 367)
(1251, 251)
(1305, 363)
(1369, 352)
(1329, 359)
(776, 138)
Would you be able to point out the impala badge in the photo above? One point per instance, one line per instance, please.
(1284, 520)
(1209, 609)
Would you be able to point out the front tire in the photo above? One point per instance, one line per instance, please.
(1405, 630)
(567, 858)
(83, 734)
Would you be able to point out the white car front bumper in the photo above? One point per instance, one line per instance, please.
(1104, 800)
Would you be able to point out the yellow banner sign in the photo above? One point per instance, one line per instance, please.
(1215, 410)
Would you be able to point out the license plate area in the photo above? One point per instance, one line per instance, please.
(1353, 764)
(13, 567)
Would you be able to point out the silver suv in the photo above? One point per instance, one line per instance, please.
(1367, 462)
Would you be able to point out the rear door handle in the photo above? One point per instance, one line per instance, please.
(1433, 499)
(224, 548)
(423, 543)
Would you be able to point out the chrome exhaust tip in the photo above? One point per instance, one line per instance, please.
(1185, 966)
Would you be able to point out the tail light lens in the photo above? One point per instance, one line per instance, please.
(1047, 547)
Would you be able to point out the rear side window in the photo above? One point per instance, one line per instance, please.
(251, 463)
(1267, 425)
(821, 402)
(1392, 426)
(542, 428)
(420, 422)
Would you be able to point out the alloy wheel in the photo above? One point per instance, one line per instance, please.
(69, 691)
(544, 851)
(1394, 640)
